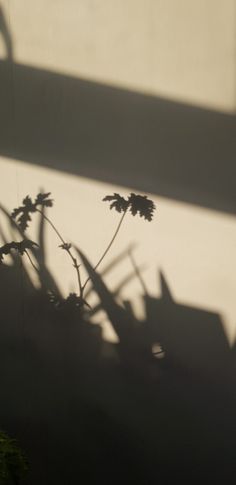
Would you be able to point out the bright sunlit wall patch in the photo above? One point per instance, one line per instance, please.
(180, 50)
(193, 247)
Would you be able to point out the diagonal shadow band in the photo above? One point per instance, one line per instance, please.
(117, 136)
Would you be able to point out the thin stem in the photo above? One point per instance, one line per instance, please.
(108, 247)
(66, 248)
(52, 225)
(31, 261)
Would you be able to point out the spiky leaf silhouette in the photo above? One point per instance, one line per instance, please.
(22, 214)
(21, 247)
(120, 204)
(137, 204)
(43, 200)
(142, 205)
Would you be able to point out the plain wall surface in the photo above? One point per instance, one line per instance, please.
(183, 50)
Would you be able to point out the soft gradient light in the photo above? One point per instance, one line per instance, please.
(195, 248)
(178, 49)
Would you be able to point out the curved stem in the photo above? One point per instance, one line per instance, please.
(107, 249)
(66, 248)
(52, 225)
(31, 261)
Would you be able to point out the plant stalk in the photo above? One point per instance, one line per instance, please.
(67, 249)
(108, 247)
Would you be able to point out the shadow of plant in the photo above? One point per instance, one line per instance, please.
(86, 408)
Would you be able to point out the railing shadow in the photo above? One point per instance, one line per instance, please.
(117, 136)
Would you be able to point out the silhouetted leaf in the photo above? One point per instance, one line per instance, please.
(118, 202)
(20, 247)
(142, 205)
(136, 204)
(22, 214)
(43, 200)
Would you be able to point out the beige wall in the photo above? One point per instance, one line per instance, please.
(180, 49)
(177, 49)
(194, 247)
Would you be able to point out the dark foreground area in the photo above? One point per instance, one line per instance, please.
(88, 411)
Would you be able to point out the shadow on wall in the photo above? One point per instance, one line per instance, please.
(85, 128)
(6, 35)
(81, 406)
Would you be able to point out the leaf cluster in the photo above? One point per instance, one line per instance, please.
(13, 464)
(21, 247)
(137, 204)
(22, 214)
(71, 302)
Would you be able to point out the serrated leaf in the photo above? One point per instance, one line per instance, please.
(22, 214)
(137, 204)
(21, 247)
(43, 200)
(119, 203)
(142, 205)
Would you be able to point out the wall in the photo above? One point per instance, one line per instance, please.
(96, 96)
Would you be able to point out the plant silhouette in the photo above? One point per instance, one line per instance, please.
(21, 247)
(135, 203)
(84, 408)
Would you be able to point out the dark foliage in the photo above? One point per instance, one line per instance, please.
(21, 247)
(117, 202)
(84, 407)
(22, 214)
(70, 303)
(137, 204)
(142, 205)
(13, 463)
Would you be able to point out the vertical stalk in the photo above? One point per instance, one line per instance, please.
(66, 247)
(108, 247)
